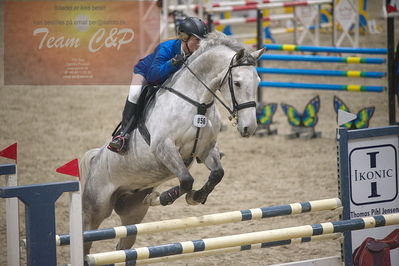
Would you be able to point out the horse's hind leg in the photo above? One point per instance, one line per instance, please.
(95, 210)
(213, 163)
(130, 208)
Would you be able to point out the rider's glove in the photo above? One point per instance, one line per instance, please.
(178, 60)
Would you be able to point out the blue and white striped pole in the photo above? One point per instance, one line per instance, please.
(167, 259)
(324, 59)
(240, 239)
(206, 220)
(321, 72)
(325, 49)
(319, 86)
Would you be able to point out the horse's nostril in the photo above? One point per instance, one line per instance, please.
(245, 130)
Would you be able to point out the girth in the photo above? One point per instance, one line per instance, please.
(202, 108)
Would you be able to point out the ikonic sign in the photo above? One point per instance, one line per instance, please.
(373, 174)
(373, 184)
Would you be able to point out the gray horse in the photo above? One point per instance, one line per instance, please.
(182, 124)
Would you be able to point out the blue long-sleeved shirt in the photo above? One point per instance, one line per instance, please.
(157, 66)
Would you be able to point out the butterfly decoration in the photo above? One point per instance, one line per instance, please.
(309, 116)
(264, 114)
(363, 116)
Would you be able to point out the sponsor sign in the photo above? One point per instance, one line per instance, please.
(369, 180)
(77, 42)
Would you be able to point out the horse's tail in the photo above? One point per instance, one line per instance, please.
(85, 165)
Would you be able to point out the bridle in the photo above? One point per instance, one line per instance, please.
(236, 106)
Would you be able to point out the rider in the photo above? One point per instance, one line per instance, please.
(156, 68)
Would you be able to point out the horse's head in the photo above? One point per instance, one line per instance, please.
(239, 86)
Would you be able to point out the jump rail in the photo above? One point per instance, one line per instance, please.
(323, 72)
(240, 239)
(324, 59)
(227, 3)
(266, 6)
(334, 236)
(230, 3)
(246, 3)
(320, 72)
(313, 86)
(326, 49)
(206, 220)
(233, 21)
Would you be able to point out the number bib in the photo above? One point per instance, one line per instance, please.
(200, 121)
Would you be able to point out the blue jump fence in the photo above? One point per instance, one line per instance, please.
(39, 200)
(325, 49)
(323, 72)
(314, 86)
(319, 72)
(324, 59)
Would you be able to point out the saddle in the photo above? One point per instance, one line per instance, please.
(376, 252)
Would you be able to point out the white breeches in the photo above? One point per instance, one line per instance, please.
(134, 93)
(135, 88)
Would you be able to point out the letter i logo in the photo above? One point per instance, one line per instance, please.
(373, 164)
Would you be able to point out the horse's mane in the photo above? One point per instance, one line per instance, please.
(214, 39)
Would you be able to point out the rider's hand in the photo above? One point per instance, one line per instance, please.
(178, 60)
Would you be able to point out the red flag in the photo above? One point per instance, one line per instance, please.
(10, 152)
(71, 168)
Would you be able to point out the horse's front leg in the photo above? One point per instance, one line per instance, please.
(213, 163)
(168, 154)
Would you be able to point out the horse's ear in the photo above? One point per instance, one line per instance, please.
(240, 54)
(258, 53)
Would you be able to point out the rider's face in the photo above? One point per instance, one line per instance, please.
(192, 43)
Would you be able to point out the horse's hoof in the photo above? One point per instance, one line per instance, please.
(190, 198)
(152, 199)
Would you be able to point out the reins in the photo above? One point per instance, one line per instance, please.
(206, 86)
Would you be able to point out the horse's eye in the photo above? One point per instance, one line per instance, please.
(236, 83)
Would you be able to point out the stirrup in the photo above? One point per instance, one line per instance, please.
(119, 144)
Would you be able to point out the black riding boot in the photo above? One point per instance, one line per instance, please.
(120, 140)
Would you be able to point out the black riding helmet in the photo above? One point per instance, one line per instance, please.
(192, 26)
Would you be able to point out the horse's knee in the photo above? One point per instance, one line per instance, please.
(186, 184)
(216, 176)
